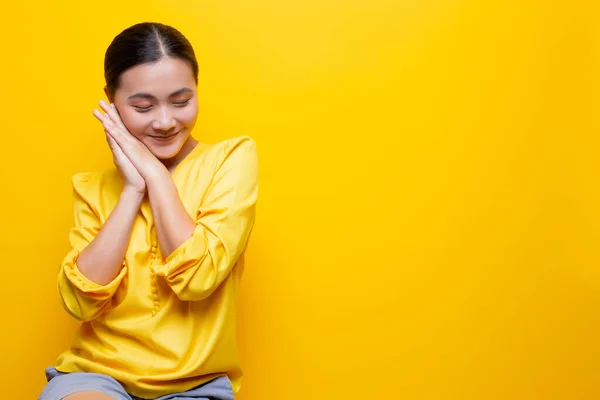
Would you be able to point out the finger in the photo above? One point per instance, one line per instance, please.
(100, 116)
(106, 107)
(113, 114)
(113, 131)
(118, 120)
(109, 126)
(106, 118)
(115, 149)
(110, 118)
(111, 142)
(106, 121)
(121, 146)
(126, 143)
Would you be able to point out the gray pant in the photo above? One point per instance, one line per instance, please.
(61, 384)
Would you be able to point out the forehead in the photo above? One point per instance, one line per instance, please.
(159, 79)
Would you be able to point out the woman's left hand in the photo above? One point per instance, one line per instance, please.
(137, 152)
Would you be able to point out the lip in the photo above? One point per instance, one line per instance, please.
(165, 138)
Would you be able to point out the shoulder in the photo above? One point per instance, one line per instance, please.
(215, 157)
(237, 145)
(241, 149)
(93, 186)
(232, 162)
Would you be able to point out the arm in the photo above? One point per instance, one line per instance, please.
(210, 248)
(102, 259)
(202, 254)
(92, 271)
(173, 223)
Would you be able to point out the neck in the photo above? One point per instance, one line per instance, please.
(186, 149)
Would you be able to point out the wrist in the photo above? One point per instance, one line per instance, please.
(157, 177)
(133, 194)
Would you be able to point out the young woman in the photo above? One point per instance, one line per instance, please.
(158, 242)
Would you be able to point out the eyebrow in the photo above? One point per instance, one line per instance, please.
(151, 97)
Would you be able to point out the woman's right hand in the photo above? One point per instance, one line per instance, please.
(131, 177)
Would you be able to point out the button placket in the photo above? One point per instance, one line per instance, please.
(153, 283)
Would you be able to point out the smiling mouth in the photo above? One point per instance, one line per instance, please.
(165, 138)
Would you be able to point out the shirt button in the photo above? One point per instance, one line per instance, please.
(154, 249)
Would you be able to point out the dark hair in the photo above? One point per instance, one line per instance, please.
(146, 42)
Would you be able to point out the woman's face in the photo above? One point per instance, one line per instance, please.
(158, 104)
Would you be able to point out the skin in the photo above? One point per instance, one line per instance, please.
(153, 101)
(158, 100)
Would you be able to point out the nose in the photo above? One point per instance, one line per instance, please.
(164, 120)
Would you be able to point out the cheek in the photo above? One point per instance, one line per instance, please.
(187, 116)
(135, 122)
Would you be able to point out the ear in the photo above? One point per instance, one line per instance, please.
(107, 93)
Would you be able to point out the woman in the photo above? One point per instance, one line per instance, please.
(158, 243)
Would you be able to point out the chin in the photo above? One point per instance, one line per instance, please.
(165, 152)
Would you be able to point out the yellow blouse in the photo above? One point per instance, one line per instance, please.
(165, 325)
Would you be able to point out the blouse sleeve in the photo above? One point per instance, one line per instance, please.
(82, 298)
(223, 225)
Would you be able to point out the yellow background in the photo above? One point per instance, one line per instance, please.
(428, 223)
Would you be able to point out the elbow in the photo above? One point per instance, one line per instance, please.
(196, 291)
(81, 316)
(79, 307)
(194, 295)
(80, 312)
(198, 278)
(83, 299)
(197, 283)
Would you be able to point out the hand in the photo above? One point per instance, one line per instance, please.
(131, 177)
(135, 151)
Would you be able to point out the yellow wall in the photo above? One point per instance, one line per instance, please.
(428, 223)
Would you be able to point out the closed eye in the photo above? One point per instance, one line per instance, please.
(181, 103)
(142, 109)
